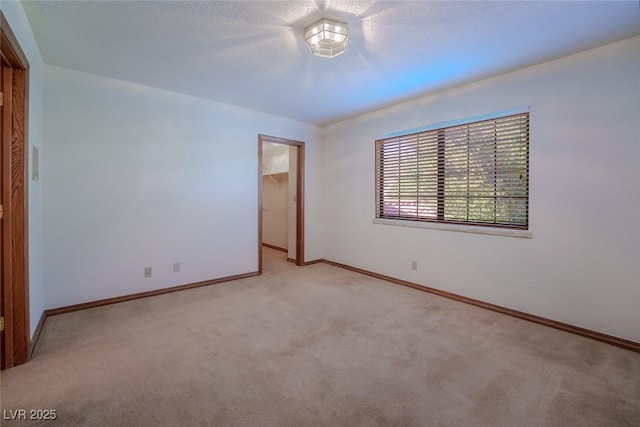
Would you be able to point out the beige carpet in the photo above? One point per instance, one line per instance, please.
(317, 345)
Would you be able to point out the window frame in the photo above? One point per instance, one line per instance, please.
(517, 226)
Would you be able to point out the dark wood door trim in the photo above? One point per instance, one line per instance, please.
(14, 197)
(299, 196)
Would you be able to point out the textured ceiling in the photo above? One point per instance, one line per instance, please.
(252, 54)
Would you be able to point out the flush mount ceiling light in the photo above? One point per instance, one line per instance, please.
(327, 38)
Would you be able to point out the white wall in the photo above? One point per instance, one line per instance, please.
(581, 265)
(275, 194)
(275, 213)
(14, 13)
(141, 177)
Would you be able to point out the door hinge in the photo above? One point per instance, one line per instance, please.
(1, 211)
(1, 323)
(1, 99)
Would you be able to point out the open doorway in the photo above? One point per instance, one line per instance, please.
(281, 197)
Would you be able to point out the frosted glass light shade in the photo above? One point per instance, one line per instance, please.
(327, 38)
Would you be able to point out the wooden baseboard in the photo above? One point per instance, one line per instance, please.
(609, 339)
(278, 248)
(36, 334)
(115, 300)
(306, 263)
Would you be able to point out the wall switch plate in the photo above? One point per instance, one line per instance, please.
(147, 272)
(176, 267)
(414, 265)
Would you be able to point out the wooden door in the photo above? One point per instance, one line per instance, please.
(14, 300)
(2, 364)
(5, 298)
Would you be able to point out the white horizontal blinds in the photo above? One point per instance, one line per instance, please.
(407, 178)
(473, 173)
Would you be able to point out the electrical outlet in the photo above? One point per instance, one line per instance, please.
(147, 272)
(414, 265)
(176, 267)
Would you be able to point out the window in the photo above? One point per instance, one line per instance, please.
(473, 173)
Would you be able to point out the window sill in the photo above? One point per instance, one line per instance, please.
(476, 229)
